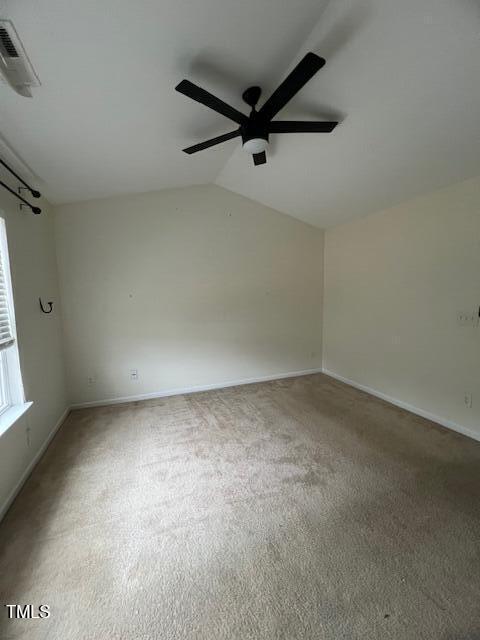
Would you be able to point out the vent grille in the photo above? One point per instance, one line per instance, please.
(15, 67)
(7, 43)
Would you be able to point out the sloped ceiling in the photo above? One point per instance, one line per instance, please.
(402, 77)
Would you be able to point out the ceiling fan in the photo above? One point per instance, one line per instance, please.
(256, 128)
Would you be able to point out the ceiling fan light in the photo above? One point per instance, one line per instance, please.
(255, 145)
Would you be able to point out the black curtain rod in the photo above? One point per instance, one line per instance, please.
(34, 192)
(36, 210)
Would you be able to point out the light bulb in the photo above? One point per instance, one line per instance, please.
(255, 145)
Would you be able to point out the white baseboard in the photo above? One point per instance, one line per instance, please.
(404, 405)
(13, 494)
(195, 389)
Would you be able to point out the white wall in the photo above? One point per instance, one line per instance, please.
(34, 274)
(394, 282)
(191, 287)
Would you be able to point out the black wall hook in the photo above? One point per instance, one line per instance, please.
(50, 306)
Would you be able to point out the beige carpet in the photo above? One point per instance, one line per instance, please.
(294, 509)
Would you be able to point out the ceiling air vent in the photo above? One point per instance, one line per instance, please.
(8, 48)
(15, 67)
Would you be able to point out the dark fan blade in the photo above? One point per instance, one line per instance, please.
(200, 95)
(302, 73)
(300, 126)
(259, 158)
(213, 141)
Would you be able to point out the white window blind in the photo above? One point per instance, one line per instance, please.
(6, 333)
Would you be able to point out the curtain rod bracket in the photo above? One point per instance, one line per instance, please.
(35, 194)
(17, 194)
(36, 210)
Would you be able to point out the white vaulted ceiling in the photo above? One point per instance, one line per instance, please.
(401, 76)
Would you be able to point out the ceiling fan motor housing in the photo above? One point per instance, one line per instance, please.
(256, 127)
(254, 134)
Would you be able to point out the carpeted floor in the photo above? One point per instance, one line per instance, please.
(299, 508)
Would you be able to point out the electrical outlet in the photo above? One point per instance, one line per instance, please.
(467, 399)
(91, 380)
(133, 374)
(27, 433)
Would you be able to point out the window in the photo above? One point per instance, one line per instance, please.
(12, 399)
